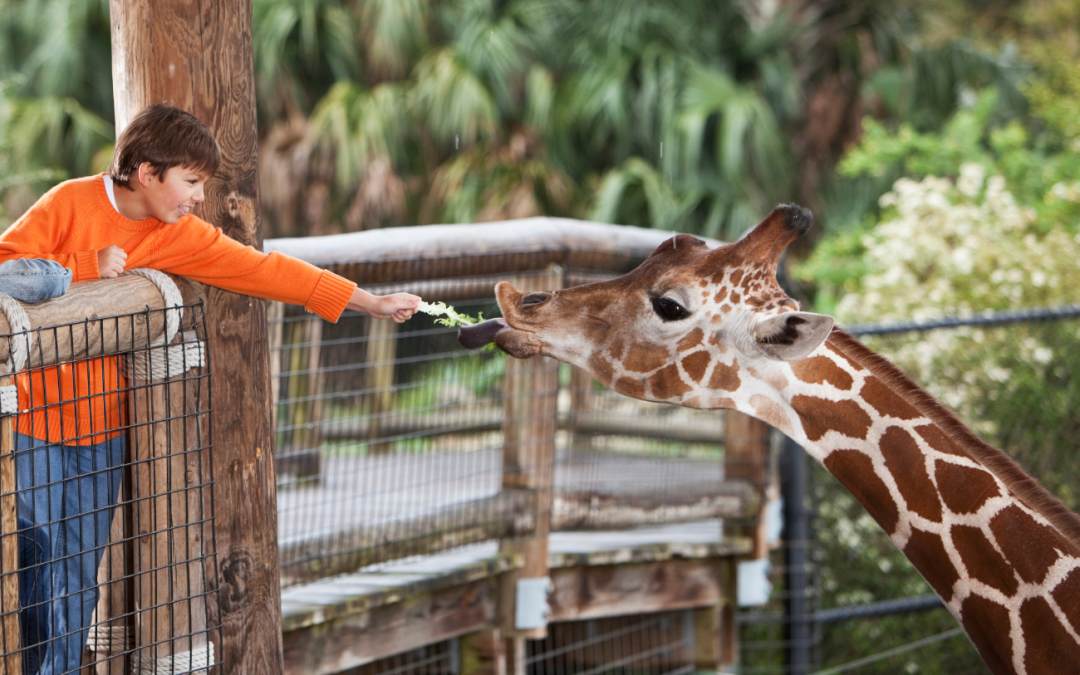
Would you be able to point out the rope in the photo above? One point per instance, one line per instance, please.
(171, 294)
(164, 362)
(19, 325)
(161, 360)
(109, 639)
(198, 660)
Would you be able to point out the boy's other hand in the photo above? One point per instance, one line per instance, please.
(398, 306)
(111, 261)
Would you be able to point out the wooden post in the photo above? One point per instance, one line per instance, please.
(112, 630)
(746, 457)
(301, 457)
(530, 389)
(381, 350)
(170, 598)
(198, 56)
(483, 653)
(10, 631)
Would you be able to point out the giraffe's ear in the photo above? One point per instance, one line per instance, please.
(792, 336)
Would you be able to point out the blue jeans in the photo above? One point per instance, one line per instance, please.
(33, 280)
(66, 495)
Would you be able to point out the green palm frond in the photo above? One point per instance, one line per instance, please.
(451, 102)
(395, 33)
(301, 48)
(52, 132)
(358, 126)
(635, 189)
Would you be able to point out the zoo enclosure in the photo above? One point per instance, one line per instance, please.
(395, 443)
(153, 552)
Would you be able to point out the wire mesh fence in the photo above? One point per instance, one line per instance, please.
(653, 644)
(107, 505)
(1014, 378)
(395, 441)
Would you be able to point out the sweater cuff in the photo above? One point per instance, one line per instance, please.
(86, 266)
(330, 296)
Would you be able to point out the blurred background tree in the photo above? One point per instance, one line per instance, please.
(680, 114)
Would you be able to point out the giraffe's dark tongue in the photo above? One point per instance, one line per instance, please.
(478, 335)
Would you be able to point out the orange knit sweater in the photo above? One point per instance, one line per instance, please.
(81, 403)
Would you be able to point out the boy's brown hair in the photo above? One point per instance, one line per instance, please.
(165, 136)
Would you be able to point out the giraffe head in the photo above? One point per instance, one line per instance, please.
(681, 326)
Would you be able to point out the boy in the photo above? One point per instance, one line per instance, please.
(69, 447)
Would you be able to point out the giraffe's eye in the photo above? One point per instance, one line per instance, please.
(535, 298)
(669, 310)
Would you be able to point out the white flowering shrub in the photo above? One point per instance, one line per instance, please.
(959, 248)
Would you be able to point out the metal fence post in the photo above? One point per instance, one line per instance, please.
(799, 605)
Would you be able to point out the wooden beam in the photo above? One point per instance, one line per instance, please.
(10, 630)
(614, 590)
(362, 638)
(198, 56)
(67, 328)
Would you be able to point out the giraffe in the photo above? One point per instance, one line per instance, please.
(711, 328)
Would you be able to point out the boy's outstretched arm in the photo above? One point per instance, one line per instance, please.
(398, 306)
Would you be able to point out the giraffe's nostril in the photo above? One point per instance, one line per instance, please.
(535, 298)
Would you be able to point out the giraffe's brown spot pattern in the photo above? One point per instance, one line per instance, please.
(937, 440)
(1065, 593)
(987, 624)
(668, 383)
(770, 411)
(691, 340)
(820, 417)
(600, 368)
(735, 298)
(886, 401)
(964, 489)
(1048, 644)
(736, 277)
(908, 468)
(856, 472)
(721, 295)
(1029, 545)
(983, 562)
(725, 378)
(927, 553)
(819, 369)
(645, 358)
(628, 386)
(696, 364)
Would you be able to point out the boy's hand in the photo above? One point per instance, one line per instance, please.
(398, 306)
(111, 261)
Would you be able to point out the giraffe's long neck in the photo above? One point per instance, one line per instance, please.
(1002, 554)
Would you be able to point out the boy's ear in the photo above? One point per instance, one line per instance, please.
(793, 335)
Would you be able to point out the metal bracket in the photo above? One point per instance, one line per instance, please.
(531, 607)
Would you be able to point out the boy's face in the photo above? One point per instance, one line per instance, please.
(172, 197)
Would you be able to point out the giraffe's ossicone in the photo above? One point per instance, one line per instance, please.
(711, 328)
